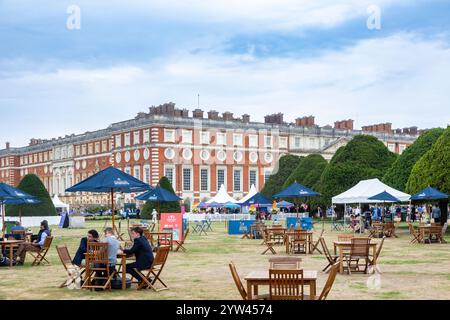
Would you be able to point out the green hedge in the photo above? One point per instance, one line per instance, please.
(166, 207)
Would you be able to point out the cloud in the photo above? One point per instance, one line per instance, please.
(402, 79)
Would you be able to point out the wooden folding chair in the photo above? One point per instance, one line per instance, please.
(359, 250)
(331, 258)
(97, 267)
(240, 287)
(299, 243)
(328, 285)
(286, 284)
(377, 253)
(417, 237)
(181, 243)
(345, 237)
(268, 243)
(316, 245)
(285, 263)
(19, 234)
(39, 257)
(154, 273)
(66, 261)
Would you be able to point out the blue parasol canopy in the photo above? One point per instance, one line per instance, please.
(158, 194)
(22, 201)
(10, 193)
(110, 180)
(296, 190)
(214, 205)
(259, 199)
(202, 205)
(385, 197)
(429, 193)
(231, 205)
(284, 204)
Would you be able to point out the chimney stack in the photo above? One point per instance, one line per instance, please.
(197, 113)
(7, 145)
(227, 116)
(245, 118)
(305, 121)
(213, 115)
(276, 118)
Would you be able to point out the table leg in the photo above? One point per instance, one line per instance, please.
(374, 255)
(341, 260)
(10, 255)
(312, 289)
(124, 273)
(249, 290)
(255, 290)
(335, 250)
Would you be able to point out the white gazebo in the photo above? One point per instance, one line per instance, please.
(59, 204)
(250, 194)
(366, 189)
(222, 197)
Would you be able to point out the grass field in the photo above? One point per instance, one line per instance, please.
(409, 271)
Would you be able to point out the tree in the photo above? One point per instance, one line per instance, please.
(433, 168)
(364, 157)
(32, 185)
(166, 207)
(398, 174)
(282, 171)
(308, 172)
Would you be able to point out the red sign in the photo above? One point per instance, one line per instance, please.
(172, 221)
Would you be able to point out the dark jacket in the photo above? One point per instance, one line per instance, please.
(143, 252)
(79, 256)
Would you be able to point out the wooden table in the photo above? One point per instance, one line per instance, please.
(262, 278)
(346, 246)
(164, 238)
(11, 244)
(276, 232)
(309, 239)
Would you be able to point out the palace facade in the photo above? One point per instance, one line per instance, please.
(196, 153)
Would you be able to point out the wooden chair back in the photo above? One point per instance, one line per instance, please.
(360, 247)
(64, 256)
(286, 284)
(161, 256)
(97, 253)
(380, 246)
(237, 281)
(330, 281)
(326, 252)
(345, 237)
(285, 263)
(411, 229)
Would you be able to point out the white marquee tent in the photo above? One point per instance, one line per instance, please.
(250, 194)
(222, 197)
(366, 189)
(59, 204)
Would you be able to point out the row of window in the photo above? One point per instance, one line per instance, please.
(36, 158)
(221, 139)
(187, 180)
(92, 148)
(125, 139)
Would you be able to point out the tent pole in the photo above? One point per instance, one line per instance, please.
(20, 215)
(2, 209)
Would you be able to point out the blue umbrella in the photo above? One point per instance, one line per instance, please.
(284, 204)
(158, 194)
(8, 193)
(259, 199)
(296, 191)
(231, 205)
(214, 205)
(111, 180)
(385, 197)
(202, 205)
(429, 193)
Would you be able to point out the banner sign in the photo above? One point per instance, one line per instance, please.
(172, 221)
(63, 218)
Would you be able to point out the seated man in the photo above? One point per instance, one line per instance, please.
(36, 245)
(92, 236)
(143, 252)
(113, 246)
(17, 227)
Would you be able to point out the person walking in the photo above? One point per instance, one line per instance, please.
(436, 214)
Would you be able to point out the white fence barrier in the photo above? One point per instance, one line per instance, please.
(28, 222)
(227, 217)
(76, 222)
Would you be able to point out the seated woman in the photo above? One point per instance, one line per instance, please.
(92, 236)
(36, 245)
(143, 252)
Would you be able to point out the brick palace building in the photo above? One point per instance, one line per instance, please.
(197, 153)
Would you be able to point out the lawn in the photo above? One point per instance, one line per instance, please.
(409, 271)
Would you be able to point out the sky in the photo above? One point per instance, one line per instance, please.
(298, 57)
